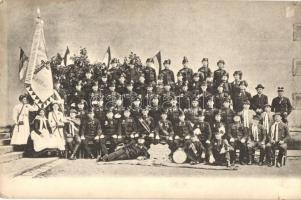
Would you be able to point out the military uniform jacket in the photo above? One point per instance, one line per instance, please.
(121, 88)
(149, 121)
(132, 74)
(183, 129)
(165, 128)
(259, 136)
(206, 72)
(217, 76)
(186, 73)
(150, 75)
(216, 129)
(203, 98)
(140, 88)
(155, 113)
(185, 99)
(75, 96)
(173, 115)
(259, 102)
(167, 76)
(219, 99)
(128, 126)
(134, 150)
(114, 74)
(210, 115)
(205, 129)
(110, 98)
(193, 114)
(129, 97)
(281, 105)
(111, 127)
(227, 116)
(234, 88)
(237, 131)
(90, 128)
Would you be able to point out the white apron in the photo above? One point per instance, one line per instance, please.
(21, 132)
(57, 119)
(45, 140)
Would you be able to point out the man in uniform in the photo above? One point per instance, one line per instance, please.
(203, 131)
(149, 71)
(121, 84)
(204, 95)
(76, 94)
(87, 81)
(104, 84)
(256, 140)
(219, 73)
(186, 71)
(205, 71)
(167, 96)
(147, 99)
(140, 86)
(111, 96)
(129, 96)
(167, 74)
(210, 111)
(237, 136)
(227, 113)
(132, 73)
(195, 85)
(185, 97)
(282, 104)
(128, 126)
(111, 131)
(277, 139)
(247, 114)
(165, 131)
(241, 97)
(259, 100)
(220, 96)
(194, 112)
(146, 126)
(90, 132)
(155, 108)
(178, 85)
(174, 111)
(113, 71)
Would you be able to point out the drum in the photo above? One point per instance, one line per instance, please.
(179, 156)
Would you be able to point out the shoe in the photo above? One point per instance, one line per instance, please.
(92, 156)
(72, 157)
(98, 159)
(278, 164)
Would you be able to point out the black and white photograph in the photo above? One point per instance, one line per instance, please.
(150, 99)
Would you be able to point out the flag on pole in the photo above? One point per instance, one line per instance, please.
(23, 62)
(107, 57)
(38, 80)
(157, 63)
(66, 55)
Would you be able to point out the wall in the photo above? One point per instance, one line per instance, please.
(255, 37)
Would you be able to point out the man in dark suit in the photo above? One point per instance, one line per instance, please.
(241, 97)
(259, 100)
(205, 71)
(282, 104)
(277, 139)
(186, 71)
(149, 71)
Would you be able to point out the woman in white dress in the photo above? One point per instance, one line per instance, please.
(42, 134)
(21, 130)
(56, 120)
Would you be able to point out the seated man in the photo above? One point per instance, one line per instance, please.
(277, 139)
(237, 136)
(90, 132)
(203, 131)
(257, 138)
(72, 137)
(133, 150)
(165, 131)
(186, 139)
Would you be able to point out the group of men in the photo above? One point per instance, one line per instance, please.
(120, 112)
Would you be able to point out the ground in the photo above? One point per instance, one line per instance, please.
(53, 167)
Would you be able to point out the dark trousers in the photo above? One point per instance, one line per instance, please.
(73, 144)
(270, 151)
(242, 151)
(87, 145)
(107, 145)
(120, 154)
(252, 146)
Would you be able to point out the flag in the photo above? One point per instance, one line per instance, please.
(157, 63)
(23, 62)
(65, 56)
(38, 80)
(107, 58)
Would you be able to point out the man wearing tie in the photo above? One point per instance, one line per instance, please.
(256, 140)
(277, 139)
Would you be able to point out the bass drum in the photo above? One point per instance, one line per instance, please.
(179, 156)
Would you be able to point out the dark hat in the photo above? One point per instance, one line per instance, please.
(256, 117)
(104, 75)
(210, 98)
(196, 75)
(218, 112)
(72, 110)
(259, 86)
(185, 60)
(277, 113)
(114, 60)
(88, 70)
(243, 83)
(204, 83)
(22, 96)
(220, 61)
(130, 83)
(267, 105)
(90, 110)
(195, 99)
(137, 98)
(167, 62)
(221, 85)
(146, 108)
(122, 75)
(164, 111)
(150, 60)
(132, 62)
(280, 89)
(227, 99)
(182, 113)
(237, 73)
(247, 102)
(179, 74)
(204, 59)
(150, 84)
